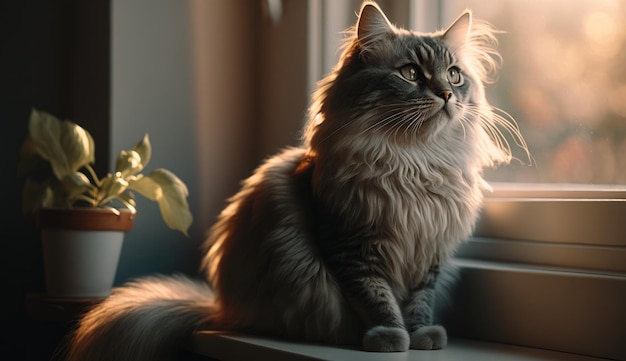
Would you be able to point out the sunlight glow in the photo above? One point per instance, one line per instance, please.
(563, 79)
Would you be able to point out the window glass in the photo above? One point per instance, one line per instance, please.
(563, 79)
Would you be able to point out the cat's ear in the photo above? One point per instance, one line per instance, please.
(455, 36)
(372, 23)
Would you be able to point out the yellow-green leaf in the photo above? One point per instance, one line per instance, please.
(67, 146)
(128, 163)
(133, 161)
(128, 200)
(112, 187)
(75, 184)
(170, 193)
(144, 149)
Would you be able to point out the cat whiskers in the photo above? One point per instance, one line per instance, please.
(389, 117)
(397, 117)
(496, 122)
(405, 116)
(402, 121)
(462, 120)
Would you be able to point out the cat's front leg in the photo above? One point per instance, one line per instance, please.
(418, 315)
(373, 298)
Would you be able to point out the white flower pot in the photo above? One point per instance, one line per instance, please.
(80, 263)
(81, 250)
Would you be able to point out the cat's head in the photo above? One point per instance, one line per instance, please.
(396, 85)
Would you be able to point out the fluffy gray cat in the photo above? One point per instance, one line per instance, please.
(342, 239)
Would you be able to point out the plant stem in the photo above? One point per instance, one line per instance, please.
(94, 176)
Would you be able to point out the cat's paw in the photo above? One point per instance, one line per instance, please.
(386, 339)
(429, 338)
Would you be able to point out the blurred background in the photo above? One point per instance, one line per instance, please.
(563, 79)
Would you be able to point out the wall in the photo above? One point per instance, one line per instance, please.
(186, 73)
(282, 69)
(151, 93)
(218, 87)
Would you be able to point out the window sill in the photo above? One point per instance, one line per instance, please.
(546, 307)
(548, 313)
(232, 346)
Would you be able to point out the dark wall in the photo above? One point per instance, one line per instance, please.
(54, 56)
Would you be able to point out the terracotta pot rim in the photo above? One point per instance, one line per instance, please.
(85, 218)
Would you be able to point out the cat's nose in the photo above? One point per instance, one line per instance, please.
(445, 95)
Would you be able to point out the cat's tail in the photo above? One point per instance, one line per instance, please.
(145, 319)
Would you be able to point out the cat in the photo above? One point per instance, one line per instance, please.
(342, 239)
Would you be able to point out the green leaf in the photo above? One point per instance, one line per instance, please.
(128, 163)
(67, 146)
(128, 199)
(133, 161)
(144, 148)
(74, 185)
(112, 186)
(170, 193)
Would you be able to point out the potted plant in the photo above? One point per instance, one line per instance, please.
(82, 216)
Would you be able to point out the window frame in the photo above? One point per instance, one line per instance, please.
(586, 215)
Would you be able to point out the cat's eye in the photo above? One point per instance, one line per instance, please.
(409, 72)
(454, 76)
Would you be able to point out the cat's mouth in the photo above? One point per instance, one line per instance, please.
(445, 111)
(440, 117)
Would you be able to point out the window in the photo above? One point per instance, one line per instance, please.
(564, 81)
